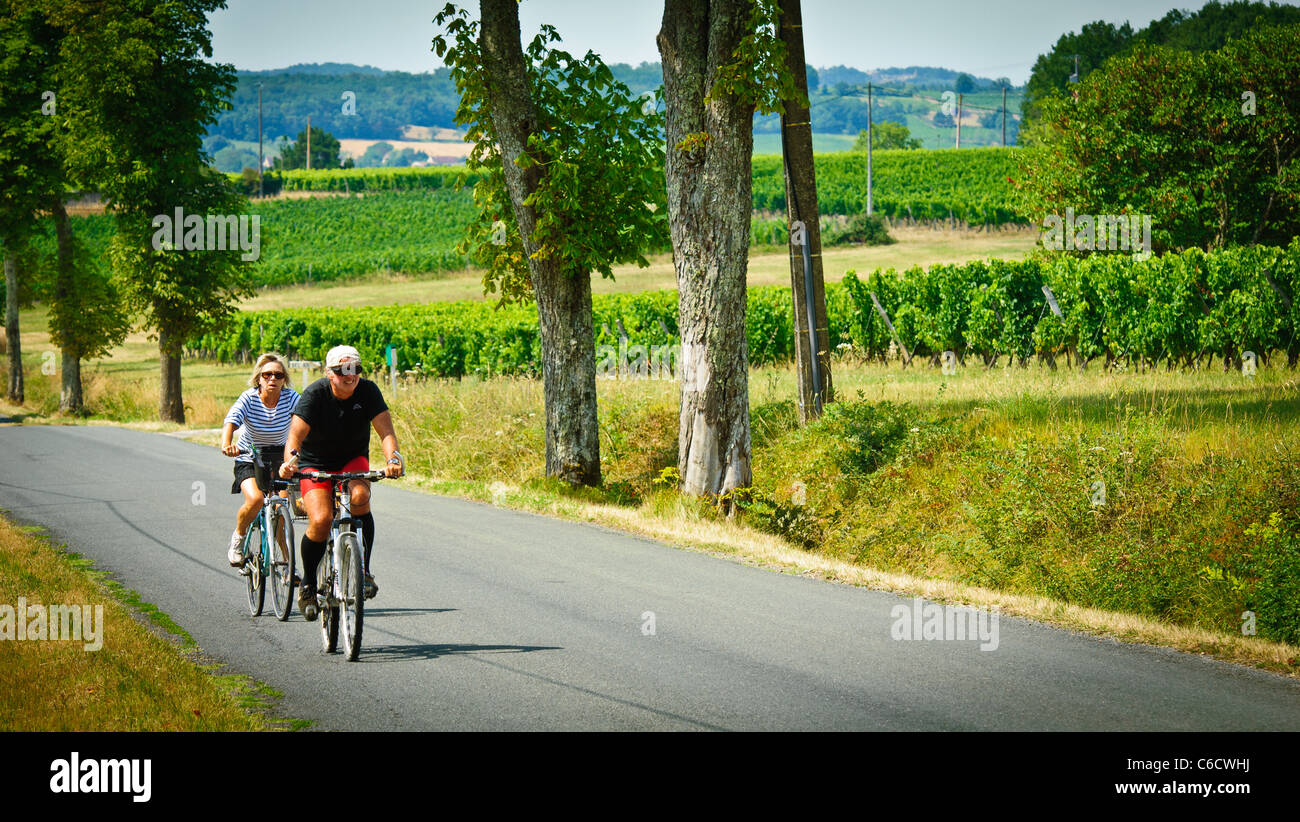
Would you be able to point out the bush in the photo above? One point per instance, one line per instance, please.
(872, 434)
(1276, 595)
(863, 229)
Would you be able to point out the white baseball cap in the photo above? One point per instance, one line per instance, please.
(339, 353)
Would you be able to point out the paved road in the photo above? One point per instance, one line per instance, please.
(492, 619)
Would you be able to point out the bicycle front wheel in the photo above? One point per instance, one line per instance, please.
(329, 612)
(282, 559)
(253, 548)
(353, 587)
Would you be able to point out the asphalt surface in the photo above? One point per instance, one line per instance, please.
(497, 620)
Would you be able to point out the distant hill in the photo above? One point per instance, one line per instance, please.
(326, 68)
(387, 103)
(919, 77)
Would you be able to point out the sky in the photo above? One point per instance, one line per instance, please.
(988, 38)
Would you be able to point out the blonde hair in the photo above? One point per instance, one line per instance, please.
(269, 357)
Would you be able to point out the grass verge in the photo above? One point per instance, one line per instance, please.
(146, 675)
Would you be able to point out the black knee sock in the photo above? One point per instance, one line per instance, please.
(312, 552)
(367, 521)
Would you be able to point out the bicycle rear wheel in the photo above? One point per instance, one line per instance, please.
(253, 562)
(352, 583)
(282, 563)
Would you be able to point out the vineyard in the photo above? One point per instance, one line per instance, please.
(335, 238)
(971, 185)
(411, 219)
(1176, 309)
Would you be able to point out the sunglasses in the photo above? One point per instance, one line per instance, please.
(273, 375)
(346, 370)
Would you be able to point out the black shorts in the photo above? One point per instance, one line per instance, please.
(245, 470)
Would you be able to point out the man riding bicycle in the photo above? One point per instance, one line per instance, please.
(330, 432)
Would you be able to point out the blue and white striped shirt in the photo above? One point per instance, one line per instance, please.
(262, 426)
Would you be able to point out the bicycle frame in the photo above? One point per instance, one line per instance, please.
(260, 558)
(340, 593)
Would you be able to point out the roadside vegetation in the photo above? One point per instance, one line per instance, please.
(135, 682)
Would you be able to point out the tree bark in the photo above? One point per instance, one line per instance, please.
(12, 337)
(801, 205)
(568, 340)
(171, 406)
(709, 202)
(70, 401)
(64, 282)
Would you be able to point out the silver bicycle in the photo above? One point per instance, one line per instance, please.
(341, 579)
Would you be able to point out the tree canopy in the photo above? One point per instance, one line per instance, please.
(324, 151)
(1208, 29)
(887, 135)
(1211, 157)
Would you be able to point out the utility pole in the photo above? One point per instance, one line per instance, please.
(309, 142)
(259, 139)
(959, 120)
(812, 338)
(868, 149)
(1004, 116)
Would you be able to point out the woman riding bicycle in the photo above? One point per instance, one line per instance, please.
(264, 412)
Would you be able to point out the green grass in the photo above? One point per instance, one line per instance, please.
(139, 680)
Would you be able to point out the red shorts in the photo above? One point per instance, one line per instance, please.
(354, 464)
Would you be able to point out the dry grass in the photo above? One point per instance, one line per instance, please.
(137, 681)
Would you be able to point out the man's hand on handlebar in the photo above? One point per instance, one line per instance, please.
(394, 469)
(231, 450)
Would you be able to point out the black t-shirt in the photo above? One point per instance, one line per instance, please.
(340, 429)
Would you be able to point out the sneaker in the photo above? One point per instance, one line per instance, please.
(236, 553)
(307, 602)
(371, 587)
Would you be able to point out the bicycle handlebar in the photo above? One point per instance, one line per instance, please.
(322, 476)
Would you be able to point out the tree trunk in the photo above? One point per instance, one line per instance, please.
(171, 407)
(70, 390)
(568, 340)
(801, 205)
(64, 282)
(709, 202)
(12, 337)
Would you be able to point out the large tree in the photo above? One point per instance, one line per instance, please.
(1208, 29)
(1213, 158)
(29, 169)
(143, 93)
(722, 59)
(570, 162)
(889, 135)
(324, 151)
